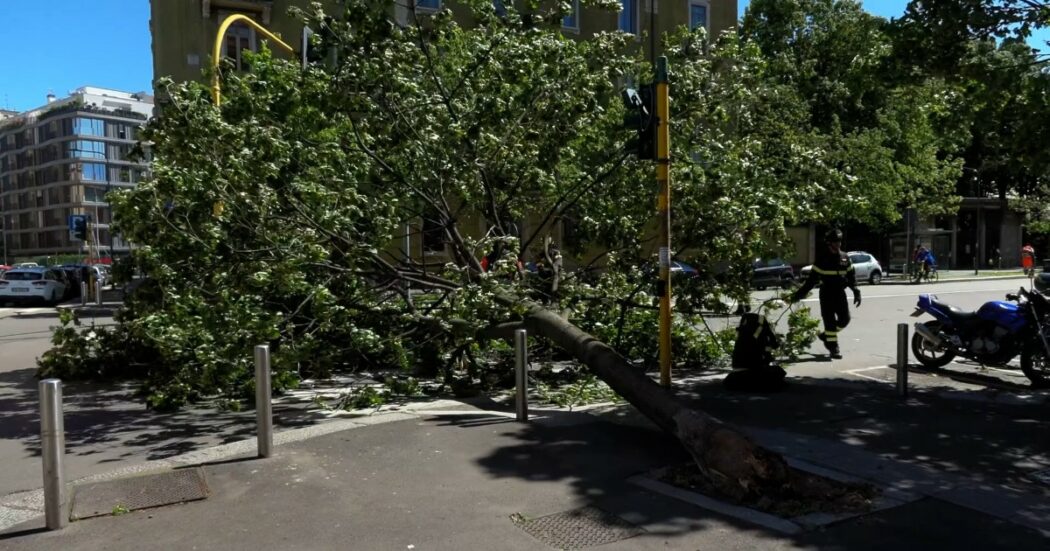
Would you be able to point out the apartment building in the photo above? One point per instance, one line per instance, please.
(184, 31)
(62, 159)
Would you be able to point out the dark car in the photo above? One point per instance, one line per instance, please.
(773, 272)
(72, 275)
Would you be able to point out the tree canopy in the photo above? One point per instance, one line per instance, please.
(279, 216)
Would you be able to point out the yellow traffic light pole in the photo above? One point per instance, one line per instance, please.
(663, 208)
(216, 51)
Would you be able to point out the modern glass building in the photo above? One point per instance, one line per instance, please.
(62, 159)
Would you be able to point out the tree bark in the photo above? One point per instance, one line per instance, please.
(731, 461)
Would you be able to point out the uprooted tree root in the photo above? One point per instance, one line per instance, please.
(802, 493)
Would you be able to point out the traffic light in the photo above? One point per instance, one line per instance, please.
(641, 119)
(78, 227)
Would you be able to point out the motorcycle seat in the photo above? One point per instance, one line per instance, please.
(957, 314)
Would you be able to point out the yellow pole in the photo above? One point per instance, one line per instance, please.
(216, 51)
(663, 208)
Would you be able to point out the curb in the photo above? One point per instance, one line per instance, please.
(93, 311)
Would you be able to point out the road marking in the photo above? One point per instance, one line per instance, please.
(855, 373)
(869, 368)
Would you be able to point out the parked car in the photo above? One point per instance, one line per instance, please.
(94, 270)
(32, 284)
(772, 272)
(865, 265)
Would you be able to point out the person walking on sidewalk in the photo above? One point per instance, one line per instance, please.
(835, 273)
(1028, 259)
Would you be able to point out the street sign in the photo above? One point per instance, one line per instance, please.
(78, 227)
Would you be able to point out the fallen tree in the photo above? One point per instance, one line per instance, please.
(280, 215)
(730, 460)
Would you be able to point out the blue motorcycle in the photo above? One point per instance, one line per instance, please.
(993, 335)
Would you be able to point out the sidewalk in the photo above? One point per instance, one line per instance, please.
(959, 275)
(112, 300)
(453, 479)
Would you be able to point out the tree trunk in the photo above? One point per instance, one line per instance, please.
(730, 460)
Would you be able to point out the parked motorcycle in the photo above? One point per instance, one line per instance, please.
(993, 335)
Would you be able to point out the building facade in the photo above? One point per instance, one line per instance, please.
(184, 31)
(62, 159)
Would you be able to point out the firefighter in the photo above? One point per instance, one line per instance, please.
(835, 273)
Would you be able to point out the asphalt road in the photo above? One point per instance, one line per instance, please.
(107, 425)
(869, 343)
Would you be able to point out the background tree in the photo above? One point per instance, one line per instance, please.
(883, 133)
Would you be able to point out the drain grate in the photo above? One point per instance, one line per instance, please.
(1041, 476)
(140, 492)
(584, 527)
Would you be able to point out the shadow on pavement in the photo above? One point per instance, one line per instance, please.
(986, 444)
(22, 533)
(943, 428)
(111, 420)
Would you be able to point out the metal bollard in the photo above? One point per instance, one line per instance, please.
(98, 293)
(902, 360)
(83, 293)
(263, 407)
(52, 449)
(521, 374)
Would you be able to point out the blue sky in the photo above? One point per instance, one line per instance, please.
(107, 43)
(61, 45)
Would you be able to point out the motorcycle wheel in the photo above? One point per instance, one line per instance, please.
(926, 353)
(1035, 364)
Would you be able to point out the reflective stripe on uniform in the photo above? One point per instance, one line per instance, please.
(831, 336)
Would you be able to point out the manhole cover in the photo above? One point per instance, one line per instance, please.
(140, 492)
(585, 527)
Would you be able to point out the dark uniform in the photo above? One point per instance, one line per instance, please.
(835, 273)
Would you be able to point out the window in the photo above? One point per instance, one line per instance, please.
(94, 194)
(121, 131)
(428, 4)
(698, 14)
(433, 236)
(500, 7)
(89, 127)
(239, 37)
(47, 131)
(572, 21)
(85, 149)
(629, 16)
(93, 172)
(47, 154)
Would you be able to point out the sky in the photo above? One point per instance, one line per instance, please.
(885, 8)
(106, 43)
(61, 45)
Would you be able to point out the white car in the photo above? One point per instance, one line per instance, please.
(32, 284)
(865, 265)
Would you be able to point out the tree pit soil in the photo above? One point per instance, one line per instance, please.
(803, 494)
